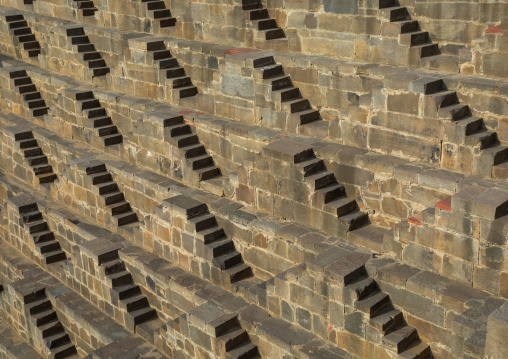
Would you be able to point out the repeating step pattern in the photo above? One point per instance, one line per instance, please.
(259, 19)
(408, 31)
(284, 93)
(19, 28)
(235, 342)
(36, 159)
(97, 118)
(111, 196)
(124, 292)
(181, 136)
(157, 10)
(86, 7)
(31, 97)
(366, 297)
(87, 52)
(464, 127)
(217, 246)
(329, 194)
(175, 74)
(43, 237)
(50, 329)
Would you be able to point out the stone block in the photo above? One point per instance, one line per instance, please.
(288, 151)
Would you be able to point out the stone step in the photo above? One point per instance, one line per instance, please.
(27, 143)
(306, 116)
(37, 160)
(37, 226)
(187, 91)
(111, 198)
(232, 338)
(362, 287)
(238, 272)
(157, 14)
(32, 152)
(42, 169)
(210, 234)
(75, 31)
(79, 39)
(113, 266)
(119, 207)
(414, 38)
(454, 112)
(341, 206)
(201, 162)
(296, 105)
(120, 278)
(54, 256)
(44, 236)
(386, 3)
(127, 290)
(106, 188)
(161, 54)
(280, 82)
(89, 104)
(286, 94)
(167, 21)
(394, 13)
(102, 122)
(113, 139)
(155, 5)
(194, 150)
(444, 98)
(427, 50)
(19, 81)
(270, 71)
(17, 24)
(482, 139)
(387, 319)
(228, 260)
(95, 112)
(32, 216)
(469, 125)
(373, 303)
(51, 328)
(27, 88)
(264, 24)
(257, 14)
(63, 351)
(49, 246)
(100, 177)
(44, 317)
(85, 5)
(355, 219)
(125, 218)
(40, 111)
(179, 82)
(134, 303)
(22, 31)
(15, 17)
(26, 37)
(38, 305)
(184, 140)
(100, 71)
(218, 247)
(31, 96)
(245, 350)
(95, 63)
(416, 350)
(321, 179)
(57, 340)
(89, 12)
(328, 193)
(208, 172)
(400, 338)
(174, 72)
(46, 178)
(202, 222)
(273, 34)
(178, 129)
(141, 316)
(251, 4)
(311, 166)
(86, 48)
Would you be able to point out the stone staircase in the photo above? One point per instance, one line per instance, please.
(217, 247)
(465, 128)
(174, 73)
(111, 196)
(328, 193)
(42, 236)
(50, 329)
(196, 157)
(36, 159)
(398, 23)
(97, 118)
(259, 19)
(157, 10)
(90, 56)
(20, 30)
(363, 294)
(124, 292)
(31, 97)
(286, 96)
(86, 7)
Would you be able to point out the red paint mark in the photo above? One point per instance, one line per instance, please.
(240, 50)
(200, 113)
(445, 204)
(185, 112)
(330, 327)
(283, 135)
(494, 30)
(416, 220)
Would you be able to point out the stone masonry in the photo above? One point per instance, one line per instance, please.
(253, 179)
